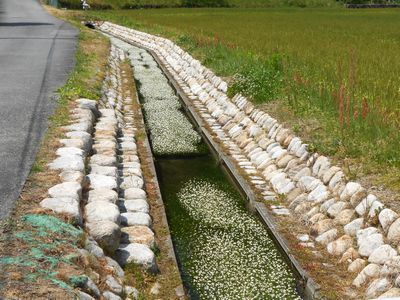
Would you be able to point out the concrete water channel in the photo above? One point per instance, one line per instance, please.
(223, 249)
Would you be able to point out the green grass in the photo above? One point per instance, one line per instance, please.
(337, 67)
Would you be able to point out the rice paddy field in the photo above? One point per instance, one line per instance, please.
(332, 74)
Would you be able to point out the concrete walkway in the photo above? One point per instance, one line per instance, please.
(36, 56)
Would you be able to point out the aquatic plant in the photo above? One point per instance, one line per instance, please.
(231, 255)
(171, 133)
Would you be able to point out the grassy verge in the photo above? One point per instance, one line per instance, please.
(320, 71)
(38, 252)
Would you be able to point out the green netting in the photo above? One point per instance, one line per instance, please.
(42, 234)
(50, 223)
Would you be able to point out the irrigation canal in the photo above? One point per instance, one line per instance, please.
(223, 250)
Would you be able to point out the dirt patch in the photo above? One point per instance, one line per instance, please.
(322, 267)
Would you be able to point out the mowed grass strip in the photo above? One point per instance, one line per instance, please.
(334, 68)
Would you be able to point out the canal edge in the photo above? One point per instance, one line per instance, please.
(309, 289)
(180, 290)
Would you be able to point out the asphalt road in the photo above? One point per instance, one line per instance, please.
(36, 56)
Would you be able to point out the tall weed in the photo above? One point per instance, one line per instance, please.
(260, 80)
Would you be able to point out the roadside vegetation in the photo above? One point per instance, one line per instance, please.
(330, 74)
(38, 250)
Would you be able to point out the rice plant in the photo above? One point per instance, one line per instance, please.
(339, 69)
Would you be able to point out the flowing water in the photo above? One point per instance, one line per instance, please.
(224, 252)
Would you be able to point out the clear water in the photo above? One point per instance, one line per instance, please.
(224, 252)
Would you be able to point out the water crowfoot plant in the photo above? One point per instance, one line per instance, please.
(225, 252)
(231, 255)
(171, 133)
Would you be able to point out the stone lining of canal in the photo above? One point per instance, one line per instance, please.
(224, 251)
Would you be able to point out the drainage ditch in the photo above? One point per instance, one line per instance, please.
(223, 250)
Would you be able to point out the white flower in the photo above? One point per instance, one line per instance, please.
(171, 132)
(230, 255)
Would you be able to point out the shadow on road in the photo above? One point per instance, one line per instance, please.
(20, 24)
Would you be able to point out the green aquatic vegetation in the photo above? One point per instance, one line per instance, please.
(232, 256)
(171, 133)
(224, 252)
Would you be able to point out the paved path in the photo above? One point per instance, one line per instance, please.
(36, 55)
